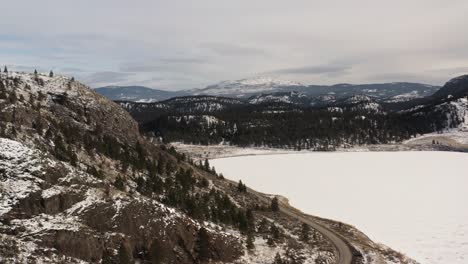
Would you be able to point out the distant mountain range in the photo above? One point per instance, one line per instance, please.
(261, 89)
(136, 93)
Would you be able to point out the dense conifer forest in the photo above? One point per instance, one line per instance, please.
(280, 125)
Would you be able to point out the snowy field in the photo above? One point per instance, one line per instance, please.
(414, 202)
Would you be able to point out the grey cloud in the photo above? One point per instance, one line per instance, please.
(142, 68)
(164, 64)
(184, 60)
(451, 70)
(105, 77)
(313, 70)
(435, 79)
(212, 40)
(227, 49)
(72, 70)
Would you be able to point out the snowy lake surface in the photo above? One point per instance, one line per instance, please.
(413, 202)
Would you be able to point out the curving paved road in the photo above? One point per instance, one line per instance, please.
(345, 256)
(344, 252)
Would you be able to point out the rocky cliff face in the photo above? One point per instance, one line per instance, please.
(456, 87)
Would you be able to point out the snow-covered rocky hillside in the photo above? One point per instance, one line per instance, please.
(52, 212)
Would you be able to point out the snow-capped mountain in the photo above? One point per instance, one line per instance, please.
(246, 87)
(396, 91)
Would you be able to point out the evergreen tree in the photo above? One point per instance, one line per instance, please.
(250, 219)
(158, 254)
(3, 94)
(263, 226)
(275, 232)
(141, 155)
(107, 257)
(274, 204)
(107, 191)
(124, 255)
(73, 157)
(204, 183)
(250, 241)
(48, 134)
(60, 149)
(14, 133)
(35, 73)
(40, 96)
(5, 70)
(38, 125)
(206, 166)
(305, 232)
(119, 183)
(242, 221)
(203, 245)
(270, 241)
(13, 97)
(241, 187)
(31, 100)
(161, 167)
(278, 259)
(51, 74)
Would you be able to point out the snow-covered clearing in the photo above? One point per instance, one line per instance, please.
(414, 202)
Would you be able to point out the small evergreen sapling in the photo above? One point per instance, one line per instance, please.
(250, 241)
(274, 204)
(203, 245)
(305, 232)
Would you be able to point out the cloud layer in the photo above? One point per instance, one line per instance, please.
(188, 44)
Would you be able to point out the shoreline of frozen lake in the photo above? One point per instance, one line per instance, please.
(413, 202)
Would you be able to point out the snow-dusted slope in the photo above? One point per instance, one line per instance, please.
(455, 132)
(280, 97)
(358, 102)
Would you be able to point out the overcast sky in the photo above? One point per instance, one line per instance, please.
(190, 44)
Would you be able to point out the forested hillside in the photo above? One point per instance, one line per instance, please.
(356, 120)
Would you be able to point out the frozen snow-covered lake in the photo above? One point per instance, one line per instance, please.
(414, 202)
